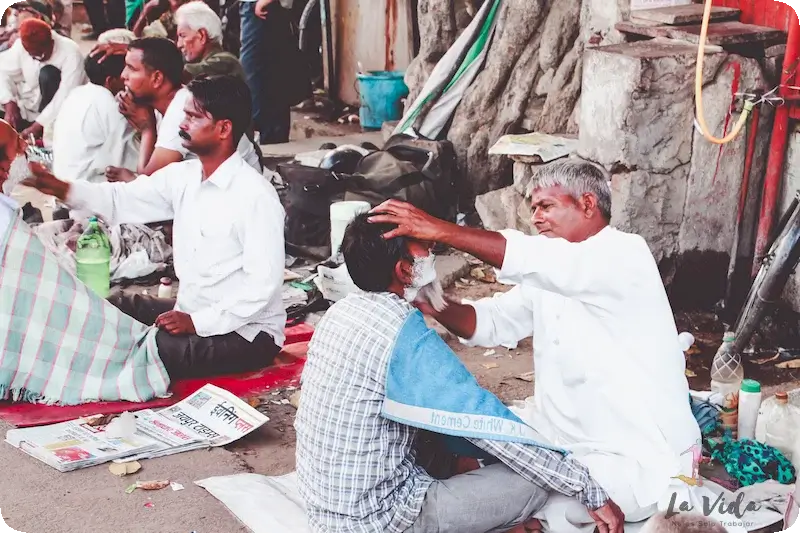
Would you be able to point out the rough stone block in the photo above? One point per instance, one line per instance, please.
(451, 267)
(651, 205)
(637, 104)
(715, 177)
(504, 208)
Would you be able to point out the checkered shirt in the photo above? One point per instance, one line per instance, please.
(357, 470)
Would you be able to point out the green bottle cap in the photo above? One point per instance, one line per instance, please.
(92, 219)
(729, 336)
(751, 385)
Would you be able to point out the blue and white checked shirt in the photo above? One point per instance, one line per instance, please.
(357, 470)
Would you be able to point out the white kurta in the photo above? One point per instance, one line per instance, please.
(228, 240)
(91, 134)
(19, 78)
(609, 383)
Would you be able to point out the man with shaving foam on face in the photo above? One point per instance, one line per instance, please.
(609, 383)
(375, 376)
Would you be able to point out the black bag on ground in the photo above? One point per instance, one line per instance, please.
(309, 194)
(419, 172)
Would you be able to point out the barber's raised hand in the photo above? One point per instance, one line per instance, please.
(117, 174)
(410, 221)
(107, 50)
(141, 118)
(609, 518)
(44, 181)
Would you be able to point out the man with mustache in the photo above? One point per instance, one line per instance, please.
(228, 246)
(610, 383)
(154, 100)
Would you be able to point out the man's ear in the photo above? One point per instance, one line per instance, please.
(404, 272)
(588, 204)
(225, 128)
(203, 34)
(158, 78)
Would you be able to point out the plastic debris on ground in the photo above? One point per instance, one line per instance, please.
(176, 486)
(147, 485)
(527, 376)
(124, 469)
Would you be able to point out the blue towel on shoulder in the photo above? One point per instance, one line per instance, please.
(428, 387)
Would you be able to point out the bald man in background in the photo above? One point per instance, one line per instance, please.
(36, 74)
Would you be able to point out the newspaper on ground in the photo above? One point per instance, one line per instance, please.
(75, 444)
(210, 417)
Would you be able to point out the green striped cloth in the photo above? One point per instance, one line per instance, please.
(62, 344)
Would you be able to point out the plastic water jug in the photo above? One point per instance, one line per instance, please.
(93, 259)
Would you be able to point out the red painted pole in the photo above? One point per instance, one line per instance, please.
(777, 149)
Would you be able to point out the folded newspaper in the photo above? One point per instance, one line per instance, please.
(210, 417)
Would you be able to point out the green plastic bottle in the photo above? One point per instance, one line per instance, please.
(93, 259)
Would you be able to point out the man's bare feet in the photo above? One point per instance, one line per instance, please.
(119, 174)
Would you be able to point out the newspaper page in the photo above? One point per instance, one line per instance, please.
(210, 417)
(216, 415)
(75, 444)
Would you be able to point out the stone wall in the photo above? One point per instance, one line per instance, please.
(531, 80)
(676, 189)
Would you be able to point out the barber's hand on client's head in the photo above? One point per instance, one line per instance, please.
(44, 181)
(410, 221)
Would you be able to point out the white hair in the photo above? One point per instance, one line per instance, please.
(198, 16)
(577, 177)
(116, 35)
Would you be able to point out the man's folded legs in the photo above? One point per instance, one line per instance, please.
(192, 356)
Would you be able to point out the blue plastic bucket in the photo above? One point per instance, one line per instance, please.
(381, 94)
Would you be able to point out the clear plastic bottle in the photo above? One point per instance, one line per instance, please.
(93, 259)
(727, 375)
(781, 425)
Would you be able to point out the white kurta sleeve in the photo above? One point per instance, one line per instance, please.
(504, 319)
(261, 235)
(144, 200)
(10, 69)
(594, 271)
(72, 75)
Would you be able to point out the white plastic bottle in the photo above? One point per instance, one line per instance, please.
(781, 425)
(749, 404)
(727, 375)
(685, 341)
(165, 289)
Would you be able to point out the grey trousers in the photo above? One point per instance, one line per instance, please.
(490, 499)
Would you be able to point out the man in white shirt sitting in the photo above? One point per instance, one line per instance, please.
(90, 133)
(228, 246)
(152, 77)
(610, 383)
(36, 74)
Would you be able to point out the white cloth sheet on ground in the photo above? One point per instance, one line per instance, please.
(272, 504)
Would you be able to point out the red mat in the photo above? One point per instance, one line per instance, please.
(289, 365)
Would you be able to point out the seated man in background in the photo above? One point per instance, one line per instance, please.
(228, 246)
(19, 13)
(200, 41)
(356, 463)
(36, 74)
(90, 133)
(152, 77)
(609, 383)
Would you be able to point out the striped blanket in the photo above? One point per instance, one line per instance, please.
(62, 344)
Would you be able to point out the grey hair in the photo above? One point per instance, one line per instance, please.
(198, 16)
(577, 177)
(682, 523)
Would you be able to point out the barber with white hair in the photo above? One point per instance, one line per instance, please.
(609, 383)
(200, 42)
